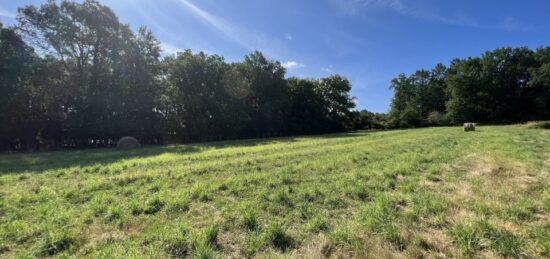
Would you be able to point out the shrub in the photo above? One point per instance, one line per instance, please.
(437, 118)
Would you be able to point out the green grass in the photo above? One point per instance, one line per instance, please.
(429, 192)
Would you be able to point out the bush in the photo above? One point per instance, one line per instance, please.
(437, 118)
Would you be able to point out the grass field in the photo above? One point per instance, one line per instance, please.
(403, 193)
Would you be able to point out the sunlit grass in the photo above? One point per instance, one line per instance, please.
(422, 192)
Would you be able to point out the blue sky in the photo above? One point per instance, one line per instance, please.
(368, 41)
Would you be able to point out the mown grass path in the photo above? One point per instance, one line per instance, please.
(420, 192)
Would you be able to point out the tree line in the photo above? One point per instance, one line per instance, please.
(72, 75)
(501, 86)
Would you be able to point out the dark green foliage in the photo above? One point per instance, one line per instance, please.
(416, 96)
(437, 118)
(369, 120)
(17, 61)
(267, 99)
(503, 85)
(115, 84)
(196, 98)
(319, 106)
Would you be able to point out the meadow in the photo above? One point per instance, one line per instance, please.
(429, 192)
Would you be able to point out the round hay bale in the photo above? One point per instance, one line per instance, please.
(469, 126)
(127, 143)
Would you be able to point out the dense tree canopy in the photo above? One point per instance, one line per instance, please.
(88, 80)
(72, 75)
(504, 85)
(320, 106)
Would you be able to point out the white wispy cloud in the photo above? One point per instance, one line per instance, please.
(246, 37)
(400, 7)
(292, 64)
(148, 11)
(6, 13)
(326, 69)
(512, 24)
(222, 26)
(169, 48)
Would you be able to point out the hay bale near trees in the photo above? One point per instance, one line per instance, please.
(469, 126)
(127, 143)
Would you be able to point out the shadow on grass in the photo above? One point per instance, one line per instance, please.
(54, 160)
